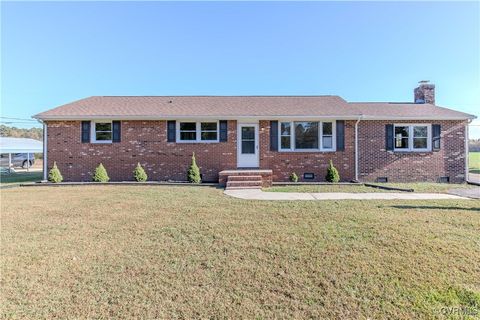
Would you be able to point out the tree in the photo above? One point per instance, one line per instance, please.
(14, 132)
(54, 174)
(139, 174)
(193, 173)
(100, 174)
(332, 173)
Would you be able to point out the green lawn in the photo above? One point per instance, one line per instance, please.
(417, 187)
(20, 177)
(192, 252)
(474, 162)
(323, 188)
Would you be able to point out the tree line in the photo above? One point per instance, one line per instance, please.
(14, 132)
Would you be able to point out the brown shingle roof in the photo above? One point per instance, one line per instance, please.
(231, 107)
(388, 110)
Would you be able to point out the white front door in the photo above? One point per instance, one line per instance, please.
(247, 145)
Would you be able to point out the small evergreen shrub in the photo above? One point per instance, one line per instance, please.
(100, 174)
(294, 177)
(139, 173)
(193, 174)
(332, 173)
(54, 174)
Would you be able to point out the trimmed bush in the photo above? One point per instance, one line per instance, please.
(100, 174)
(139, 174)
(332, 173)
(54, 174)
(294, 177)
(193, 173)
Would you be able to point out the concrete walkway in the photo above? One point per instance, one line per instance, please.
(470, 193)
(258, 194)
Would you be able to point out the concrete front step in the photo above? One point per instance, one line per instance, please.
(245, 172)
(245, 178)
(243, 184)
(243, 188)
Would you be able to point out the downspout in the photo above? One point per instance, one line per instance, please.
(356, 147)
(466, 149)
(45, 165)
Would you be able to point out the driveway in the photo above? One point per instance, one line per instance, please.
(474, 177)
(471, 193)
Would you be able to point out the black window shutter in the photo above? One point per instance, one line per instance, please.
(223, 130)
(171, 134)
(436, 130)
(389, 136)
(85, 131)
(116, 134)
(273, 135)
(340, 135)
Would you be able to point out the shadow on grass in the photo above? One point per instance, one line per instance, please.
(435, 208)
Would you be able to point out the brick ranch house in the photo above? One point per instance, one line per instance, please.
(394, 142)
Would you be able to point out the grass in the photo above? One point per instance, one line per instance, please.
(417, 187)
(20, 177)
(474, 162)
(191, 252)
(324, 188)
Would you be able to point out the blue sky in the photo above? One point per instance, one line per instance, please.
(56, 52)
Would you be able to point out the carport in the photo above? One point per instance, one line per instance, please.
(19, 145)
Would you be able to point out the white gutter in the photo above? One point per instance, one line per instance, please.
(231, 117)
(356, 147)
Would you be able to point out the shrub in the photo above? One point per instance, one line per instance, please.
(294, 177)
(100, 174)
(332, 173)
(54, 174)
(193, 174)
(139, 173)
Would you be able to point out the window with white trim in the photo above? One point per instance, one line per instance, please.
(307, 136)
(190, 131)
(102, 132)
(285, 135)
(327, 135)
(412, 137)
(209, 131)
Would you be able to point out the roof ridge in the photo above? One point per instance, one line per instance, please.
(221, 96)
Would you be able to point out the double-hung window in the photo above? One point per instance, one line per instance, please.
(190, 131)
(327, 135)
(306, 136)
(102, 132)
(285, 135)
(209, 131)
(412, 137)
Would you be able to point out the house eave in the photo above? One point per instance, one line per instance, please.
(223, 117)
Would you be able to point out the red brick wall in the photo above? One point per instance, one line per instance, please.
(146, 142)
(141, 141)
(375, 161)
(284, 163)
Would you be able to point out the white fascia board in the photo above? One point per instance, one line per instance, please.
(225, 117)
(417, 118)
(219, 117)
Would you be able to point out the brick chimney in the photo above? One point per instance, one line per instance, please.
(425, 92)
